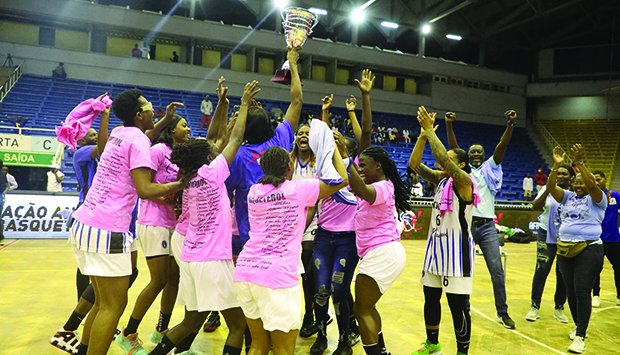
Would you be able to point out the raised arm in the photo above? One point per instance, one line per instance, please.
(415, 161)
(326, 105)
(586, 176)
(217, 128)
(350, 104)
(502, 146)
(365, 85)
(102, 137)
(297, 101)
(539, 202)
(236, 136)
(450, 117)
(328, 190)
(552, 188)
(462, 181)
(161, 124)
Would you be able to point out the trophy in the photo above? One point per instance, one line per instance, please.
(298, 24)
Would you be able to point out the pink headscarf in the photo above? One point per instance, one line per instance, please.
(78, 122)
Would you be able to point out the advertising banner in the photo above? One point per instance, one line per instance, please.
(27, 150)
(37, 216)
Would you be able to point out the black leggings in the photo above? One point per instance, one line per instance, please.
(461, 318)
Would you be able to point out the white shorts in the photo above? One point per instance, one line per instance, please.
(449, 284)
(277, 308)
(155, 241)
(98, 264)
(384, 264)
(176, 245)
(207, 286)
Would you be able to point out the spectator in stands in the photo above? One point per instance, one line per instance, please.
(10, 179)
(175, 57)
(406, 136)
(3, 189)
(528, 187)
(579, 247)
(59, 72)
(540, 178)
(54, 179)
(206, 107)
(487, 174)
(610, 237)
(136, 52)
(18, 121)
(417, 190)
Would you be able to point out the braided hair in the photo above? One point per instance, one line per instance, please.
(166, 135)
(275, 163)
(401, 190)
(190, 156)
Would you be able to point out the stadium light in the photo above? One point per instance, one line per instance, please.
(280, 4)
(358, 15)
(317, 11)
(454, 37)
(426, 28)
(389, 24)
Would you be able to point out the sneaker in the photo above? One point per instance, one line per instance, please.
(533, 314)
(578, 346)
(66, 340)
(308, 327)
(319, 346)
(573, 333)
(354, 336)
(426, 348)
(156, 336)
(344, 348)
(131, 344)
(213, 322)
(560, 315)
(506, 321)
(596, 302)
(117, 332)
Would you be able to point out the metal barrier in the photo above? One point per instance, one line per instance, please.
(551, 142)
(10, 82)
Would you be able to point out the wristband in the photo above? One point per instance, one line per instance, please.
(350, 110)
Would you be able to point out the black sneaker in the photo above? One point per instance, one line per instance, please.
(213, 322)
(308, 327)
(319, 346)
(343, 349)
(506, 321)
(354, 336)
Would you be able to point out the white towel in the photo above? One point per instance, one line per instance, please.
(323, 145)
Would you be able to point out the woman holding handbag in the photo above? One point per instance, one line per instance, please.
(579, 246)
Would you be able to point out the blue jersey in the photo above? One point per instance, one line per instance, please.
(245, 171)
(610, 232)
(85, 167)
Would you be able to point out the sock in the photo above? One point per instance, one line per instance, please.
(164, 347)
(186, 343)
(74, 322)
(382, 344)
(82, 349)
(372, 349)
(163, 322)
(132, 326)
(231, 350)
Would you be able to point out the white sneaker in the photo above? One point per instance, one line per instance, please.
(533, 314)
(596, 301)
(578, 346)
(573, 334)
(560, 316)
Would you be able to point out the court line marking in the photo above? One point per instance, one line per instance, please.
(519, 333)
(596, 310)
(6, 245)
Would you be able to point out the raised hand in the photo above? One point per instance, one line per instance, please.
(450, 117)
(511, 115)
(577, 151)
(558, 155)
(367, 82)
(249, 91)
(426, 120)
(351, 103)
(293, 55)
(340, 144)
(327, 102)
(172, 108)
(222, 90)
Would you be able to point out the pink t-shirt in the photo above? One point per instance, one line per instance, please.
(209, 232)
(277, 221)
(154, 213)
(183, 222)
(112, 196)
(336, 217)
(375, 224)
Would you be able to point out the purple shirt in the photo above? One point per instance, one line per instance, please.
(245, 171)
(610, 221)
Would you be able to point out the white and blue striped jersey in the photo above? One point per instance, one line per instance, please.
(450, 246)
(95, 240)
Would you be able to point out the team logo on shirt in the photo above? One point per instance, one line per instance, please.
(164, 244)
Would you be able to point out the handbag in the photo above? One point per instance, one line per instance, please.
(571, 249)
